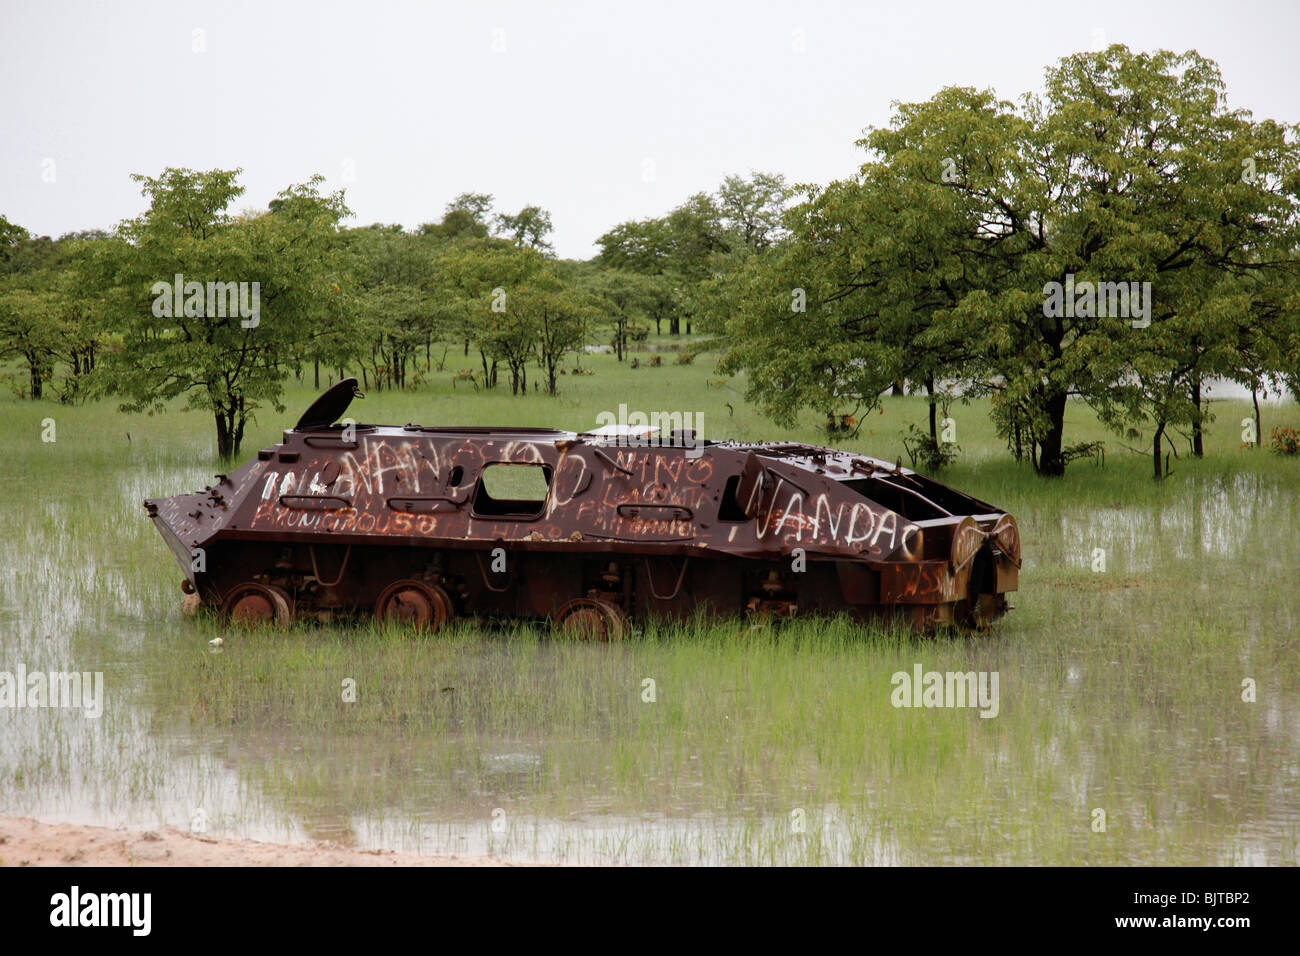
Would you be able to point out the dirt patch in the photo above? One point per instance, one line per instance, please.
(27, 842)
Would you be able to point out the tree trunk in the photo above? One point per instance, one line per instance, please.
(317, 383)
(35, 374)
(1155, 450)
(897, 390)
(223, 436)
(1198, 442)
(1254, 400)
(230, 419)
(1051, 463)
(929, 391)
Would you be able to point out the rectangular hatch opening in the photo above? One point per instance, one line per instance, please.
(507, 490)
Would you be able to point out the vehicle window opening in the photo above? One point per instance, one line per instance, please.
(512, 491)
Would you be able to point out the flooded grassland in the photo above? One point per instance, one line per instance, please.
(1147, 683)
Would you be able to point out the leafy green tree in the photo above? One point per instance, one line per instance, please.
(627, 300)
(643, 246)
(468, 216)
(394, 292)
(528, 227)
(48, 315)
(681, 247)
(563, 315)
(476, 277)
(753, 209)
(31, 329)
(217, 357)
(11, 234)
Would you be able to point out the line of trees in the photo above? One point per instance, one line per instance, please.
(933, 266)
(934, 263)
(130, 314)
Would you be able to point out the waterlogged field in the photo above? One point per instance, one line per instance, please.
(1147, 704)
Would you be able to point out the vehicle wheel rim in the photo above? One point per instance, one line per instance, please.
(253, 608)
(411, 603)
(593, 619)
(586, 623)
(410, 607)
(255, 603)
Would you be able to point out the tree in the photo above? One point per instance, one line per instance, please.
(529, 227)
(394, 292)
(48, 315)
(626, 299)
(562, 315)
(189, 339)
(641, 246)
(476, 278)
(468, 216)
(30, 328)
(680, 247)
(753, 209)
(11, 234)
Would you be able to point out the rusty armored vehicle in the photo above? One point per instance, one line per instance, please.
(589, 530)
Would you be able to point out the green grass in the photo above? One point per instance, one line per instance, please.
(1119, 691)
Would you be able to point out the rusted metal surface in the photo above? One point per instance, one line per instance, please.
(397, 521)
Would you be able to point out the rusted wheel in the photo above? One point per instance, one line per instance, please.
(255, 603)
(592, 619)
(425, 607)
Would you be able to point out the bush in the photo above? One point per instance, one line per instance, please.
(1285, 440)
(926, 454)
(839, 424)
(685, 358)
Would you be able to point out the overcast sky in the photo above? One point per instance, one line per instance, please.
(598, 112)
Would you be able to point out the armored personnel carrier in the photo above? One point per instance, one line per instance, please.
(589, 530)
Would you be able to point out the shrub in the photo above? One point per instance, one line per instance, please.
(1285, 440)
(839, 424)
(925, 453)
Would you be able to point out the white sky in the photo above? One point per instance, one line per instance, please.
(599, 112)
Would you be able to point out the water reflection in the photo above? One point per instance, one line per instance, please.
(1223, 517)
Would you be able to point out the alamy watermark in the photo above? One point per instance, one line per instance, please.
(924, 688)
(213, 300)
(129, 910)
(1123, 300)
(639, 429)
(70, 690)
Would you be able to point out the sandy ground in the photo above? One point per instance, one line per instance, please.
(27, 842)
